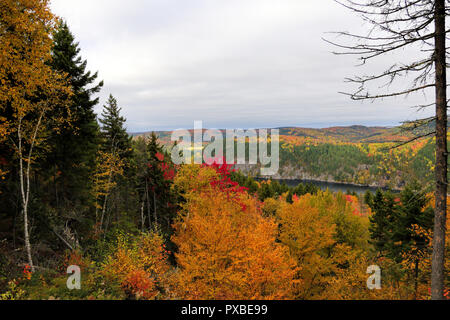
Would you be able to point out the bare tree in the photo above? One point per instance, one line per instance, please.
(417, 25)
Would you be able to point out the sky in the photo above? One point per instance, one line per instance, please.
(228, 63)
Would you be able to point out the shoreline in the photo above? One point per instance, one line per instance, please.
(374, 187)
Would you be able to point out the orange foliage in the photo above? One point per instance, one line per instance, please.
(140, 267)
(227, 249)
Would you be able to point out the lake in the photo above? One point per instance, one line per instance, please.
(332, 186)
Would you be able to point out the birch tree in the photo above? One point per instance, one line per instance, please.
(29, 88)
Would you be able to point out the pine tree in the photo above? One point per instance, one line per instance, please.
(72, 161)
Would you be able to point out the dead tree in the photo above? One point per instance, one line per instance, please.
(419, 26)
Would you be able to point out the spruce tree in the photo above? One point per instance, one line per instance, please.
(114, 134)
(158, 180)
(72, 159)
(117, 144)
(413, 211)
(408, 244)
(395, 225)
(383, 207)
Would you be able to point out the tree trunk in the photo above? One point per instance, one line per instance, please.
(416, 278)
(24, 175)
(437, 274)
(24, 195)
(142, 216)
(27, 238)
(154, 207)
(105, 200)
(148, 207)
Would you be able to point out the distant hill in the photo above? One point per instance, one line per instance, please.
(354, 134)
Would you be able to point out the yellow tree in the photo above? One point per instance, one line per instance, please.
(109, 166)
(321, 233)
(226, 248)
(29, 88)
(309, 237)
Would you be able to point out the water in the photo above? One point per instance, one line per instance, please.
(332, 186)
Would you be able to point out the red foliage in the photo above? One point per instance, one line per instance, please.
(168, 172)
(224, 183)
(27, 272)
(138, 283)
(159, 156)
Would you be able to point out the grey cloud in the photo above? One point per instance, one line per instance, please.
(252, 63)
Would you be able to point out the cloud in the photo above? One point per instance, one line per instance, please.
(246, 63)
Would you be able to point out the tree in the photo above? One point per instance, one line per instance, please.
(382, 205)
(114, 133)
(72, 159)
(157, 185)
(226, 248)
(109, 167)
(116, 145)
(309, 237)
(140, 266)
(29, 88)
(399, 229)
(412, 222)
(400, 25)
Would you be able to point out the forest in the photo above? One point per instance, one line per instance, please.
(78, 190)
(377, 156)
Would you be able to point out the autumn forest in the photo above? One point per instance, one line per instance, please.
(78, 189)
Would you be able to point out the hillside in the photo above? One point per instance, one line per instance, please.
(355, 134)
(353, 154)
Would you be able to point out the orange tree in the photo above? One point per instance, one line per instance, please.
(226, 248)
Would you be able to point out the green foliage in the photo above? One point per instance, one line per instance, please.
(264, 189)
(339, 161)
(383, 206)
(393, 223)
(74, 146)
(115, 137)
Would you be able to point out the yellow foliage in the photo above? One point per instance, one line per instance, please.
(227, 249)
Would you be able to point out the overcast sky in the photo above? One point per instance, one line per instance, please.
(229, 63)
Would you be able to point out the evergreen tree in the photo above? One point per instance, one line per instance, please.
(158, 194)
(72, 160)
(413, 211)
(116, 143)
(383, 207)
(115, 137)
(400, 230)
